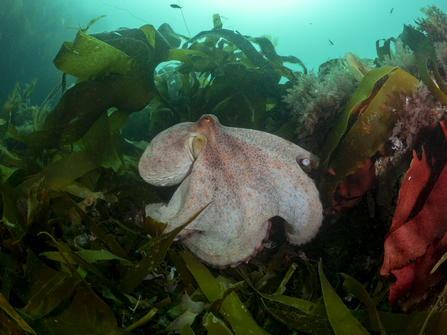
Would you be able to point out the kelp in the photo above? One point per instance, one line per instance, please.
(357, 68)
(44, 289)
(156, 251)
(238, 40)
(423, 50)
(363, 91)
(61, 173)
(342, 321)
(114, 69)
(274, 63)
(308, 307)
(334, 316)
(222, 73)
(295, 60)
(268, 50)
(385, 49)
(369, 132)
(233, 309)
(54, 288)
(95, 315)
(354, 287)
(215, 326)
(5, 306)
(104, 143)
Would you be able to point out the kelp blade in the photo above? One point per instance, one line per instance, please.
(308, 307)
(368, 134)
(214, 326)
(62, 172)
(362, 92)
(356, 289)
(136, 274)
(232, 308)
(87, 57)
(423, 50)
(341, 319)
(86, 314)
(302, 323)
(115, 69)
(5, 306)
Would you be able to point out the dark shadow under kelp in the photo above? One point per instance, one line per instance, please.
(77, 253)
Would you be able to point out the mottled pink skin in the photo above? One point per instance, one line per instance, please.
(250, 176)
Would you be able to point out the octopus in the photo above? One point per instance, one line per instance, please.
(247, 177)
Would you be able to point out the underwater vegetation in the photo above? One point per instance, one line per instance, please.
(79, 255)
(315, 100)
(434, 23)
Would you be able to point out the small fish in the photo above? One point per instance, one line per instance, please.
(175, 6)
(391, 11)
(330, 41)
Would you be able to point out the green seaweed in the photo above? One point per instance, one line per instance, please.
(215, 326)
(385, 49)
(363, 91)
(155, 254)
(233, 309)
(356, 289)
(341, 319)
(86, 314)
(186, 330)
(104, 144)
(89, 256)
(6, 306)
(423, 50)
(308, 307)
(114, 69)
(55, 291)
(302, 323)
(62, 172)
(369, 132)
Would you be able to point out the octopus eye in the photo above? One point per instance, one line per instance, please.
(305, 162)
(207, 119)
